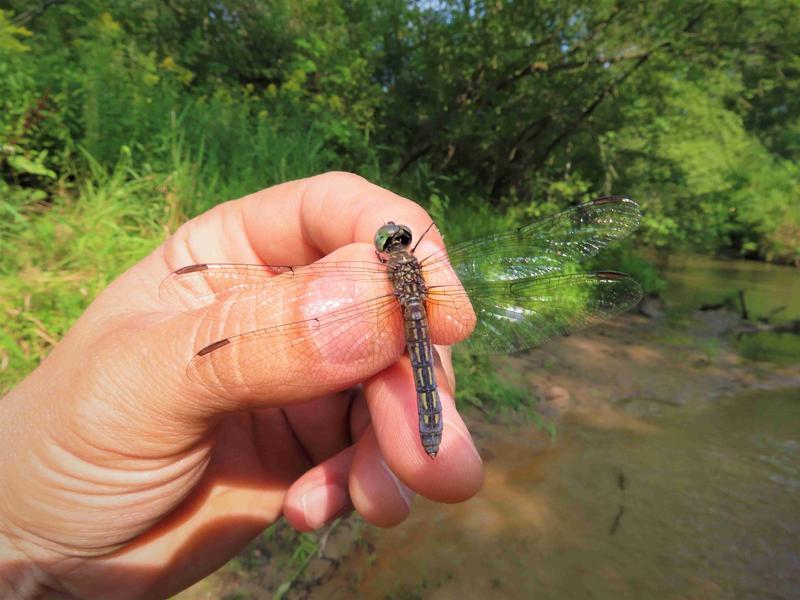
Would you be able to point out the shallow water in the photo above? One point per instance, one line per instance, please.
(770, 292)
(700, 502)
(696, 280)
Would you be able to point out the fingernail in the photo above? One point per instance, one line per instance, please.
(463, 434)
(321, 503)
(406, 493)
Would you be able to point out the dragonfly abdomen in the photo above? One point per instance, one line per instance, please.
(429, 407)
(409, 287)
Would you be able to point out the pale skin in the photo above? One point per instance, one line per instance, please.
(122, 478)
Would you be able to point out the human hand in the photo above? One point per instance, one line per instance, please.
(122, 478)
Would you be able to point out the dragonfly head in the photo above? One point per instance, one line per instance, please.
(392, 237)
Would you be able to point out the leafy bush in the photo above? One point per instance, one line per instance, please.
(58, 254)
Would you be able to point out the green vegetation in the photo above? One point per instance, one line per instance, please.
(120, 119)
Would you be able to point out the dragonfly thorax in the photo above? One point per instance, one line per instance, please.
(392, 238)
(405, 273)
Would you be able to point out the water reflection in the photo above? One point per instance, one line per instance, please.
(770, 291)
(697, 280)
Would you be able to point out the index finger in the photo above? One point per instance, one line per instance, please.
(296, 223)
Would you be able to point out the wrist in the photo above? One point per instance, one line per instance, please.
(22, 562)
(20, 578)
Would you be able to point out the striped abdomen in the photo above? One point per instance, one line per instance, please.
(429, 407)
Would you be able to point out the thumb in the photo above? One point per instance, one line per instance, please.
(271, 340)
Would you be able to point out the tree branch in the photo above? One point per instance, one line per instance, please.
(412, 157)
(587, 112)
(34, 12)
(605, 92)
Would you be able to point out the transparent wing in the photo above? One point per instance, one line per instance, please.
(548, 246)
(544, 247)
(342, 320)
(255, 287)
(521, 314)
(340, 347)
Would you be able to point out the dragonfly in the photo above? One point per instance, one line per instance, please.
(341, 321)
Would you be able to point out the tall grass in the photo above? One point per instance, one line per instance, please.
(228, 152)
(60, 250)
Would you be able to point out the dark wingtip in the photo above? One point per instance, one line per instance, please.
(191, 269)
(611, 200)
(432, 452)
(633, 288)
(615, 275)
(214, 346)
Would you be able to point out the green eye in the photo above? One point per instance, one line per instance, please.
(383, 236)
(392, 237)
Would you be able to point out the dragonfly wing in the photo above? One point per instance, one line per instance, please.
(340, 347)
(543, 247)
(196, 286)
(517, 315)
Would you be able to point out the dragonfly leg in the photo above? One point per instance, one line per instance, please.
(424, 233)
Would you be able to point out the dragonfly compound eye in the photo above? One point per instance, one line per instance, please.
(392, 237)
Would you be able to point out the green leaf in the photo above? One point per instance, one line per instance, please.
(21, 164)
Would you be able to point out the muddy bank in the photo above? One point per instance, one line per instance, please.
(637, 365)
(637, 387)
